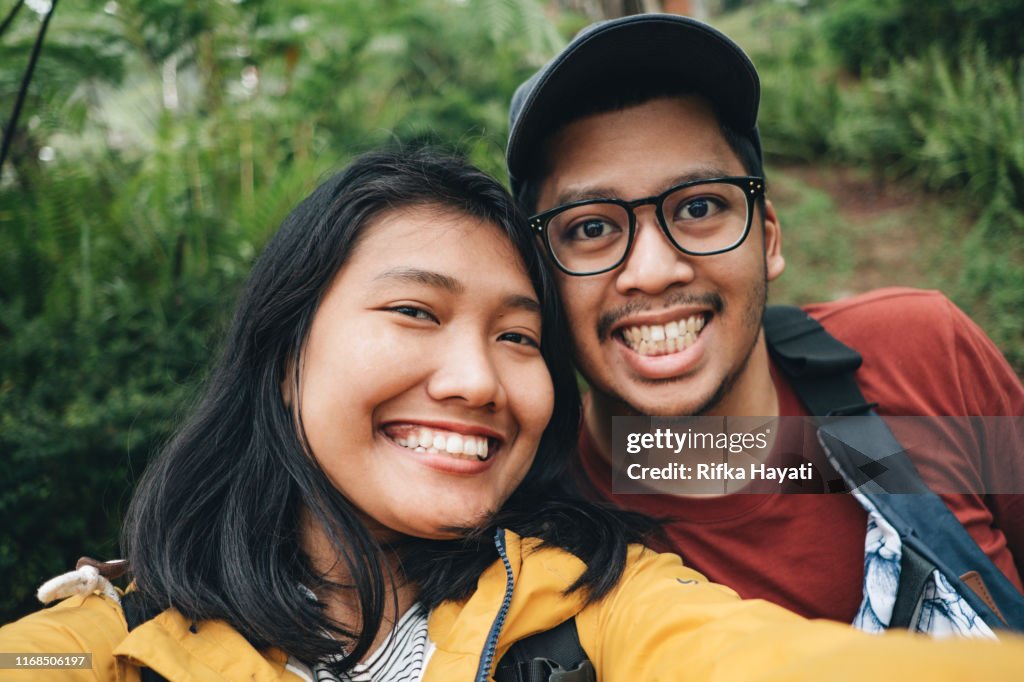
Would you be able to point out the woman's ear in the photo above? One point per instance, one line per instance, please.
(290, 382)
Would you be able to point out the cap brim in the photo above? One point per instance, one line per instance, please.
(690, 56)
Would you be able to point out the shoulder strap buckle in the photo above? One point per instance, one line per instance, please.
(554, 655)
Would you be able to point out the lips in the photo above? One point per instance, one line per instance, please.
(463, 444)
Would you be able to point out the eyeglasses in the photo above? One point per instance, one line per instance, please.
(700, 218)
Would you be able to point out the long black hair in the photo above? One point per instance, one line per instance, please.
(214, 527)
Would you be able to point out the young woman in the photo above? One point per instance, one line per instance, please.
(372, 486)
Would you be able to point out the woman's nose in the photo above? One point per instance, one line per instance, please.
(466, 372)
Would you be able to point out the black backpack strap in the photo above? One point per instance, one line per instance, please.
(820, 367)
(554, 655)
(137, 612)
(870, 459)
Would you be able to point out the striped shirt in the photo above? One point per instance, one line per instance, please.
(401, 658)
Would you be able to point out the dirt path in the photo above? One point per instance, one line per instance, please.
(890, 233)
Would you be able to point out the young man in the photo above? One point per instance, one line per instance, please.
(651, 120)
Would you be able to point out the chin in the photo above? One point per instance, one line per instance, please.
(645, 401)
(448, 526)
(679, 411)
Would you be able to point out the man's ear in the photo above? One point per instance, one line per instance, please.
(773, 259)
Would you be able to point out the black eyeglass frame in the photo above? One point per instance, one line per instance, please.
(752, 185)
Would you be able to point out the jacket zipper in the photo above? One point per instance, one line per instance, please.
(491, 643)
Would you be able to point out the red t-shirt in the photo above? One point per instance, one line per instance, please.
(922, 356)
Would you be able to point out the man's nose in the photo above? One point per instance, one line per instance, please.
(466, 372)
(653, 264)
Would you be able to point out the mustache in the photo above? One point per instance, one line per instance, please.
(638, 305)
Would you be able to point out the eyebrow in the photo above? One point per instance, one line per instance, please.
(585, 193)
(526, 303)
(420, 276)
(448, 283)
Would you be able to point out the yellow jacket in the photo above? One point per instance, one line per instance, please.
(662, 621)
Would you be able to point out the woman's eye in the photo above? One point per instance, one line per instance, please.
(519, 339)
(413, 311)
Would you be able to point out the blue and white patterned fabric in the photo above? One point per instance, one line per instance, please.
(942, 612)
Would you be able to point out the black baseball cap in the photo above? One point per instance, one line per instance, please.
(682, 53)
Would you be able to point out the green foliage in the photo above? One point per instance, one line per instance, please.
(867, 35)
(819, 245)
(945, 121)
(81, 407)
(991, 287)
(798, 111)
(952, 128)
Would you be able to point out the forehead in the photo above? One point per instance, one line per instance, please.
(637, 151)
(439, 239)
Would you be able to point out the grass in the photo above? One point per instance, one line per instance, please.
(845, 232)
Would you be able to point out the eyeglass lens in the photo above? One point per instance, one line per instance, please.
(700, 219)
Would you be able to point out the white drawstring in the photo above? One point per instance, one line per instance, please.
(82, 581)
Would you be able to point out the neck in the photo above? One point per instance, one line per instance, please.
(342, 605)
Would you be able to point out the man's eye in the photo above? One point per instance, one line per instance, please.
(592, 228)
(698, 208)
(413, 311)
(520, 339)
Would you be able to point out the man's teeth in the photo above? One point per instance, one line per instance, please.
(423, 439)
(661, 339)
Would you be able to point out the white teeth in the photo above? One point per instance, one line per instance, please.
(424, 439)
(454, 445)
(659, 339)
